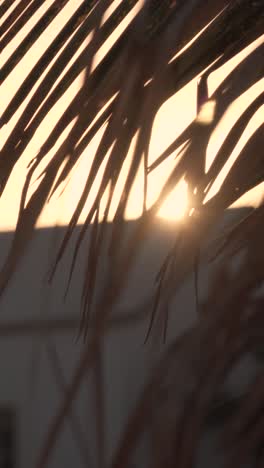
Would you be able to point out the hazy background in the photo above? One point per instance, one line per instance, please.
(174, 116)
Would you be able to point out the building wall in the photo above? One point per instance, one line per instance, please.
(30, 378)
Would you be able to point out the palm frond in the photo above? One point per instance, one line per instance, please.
(163, 46)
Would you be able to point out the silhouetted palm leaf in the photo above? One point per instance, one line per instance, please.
(154, 57)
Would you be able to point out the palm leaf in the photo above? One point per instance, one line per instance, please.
(155, 56)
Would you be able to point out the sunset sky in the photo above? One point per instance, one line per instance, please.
(174, 116)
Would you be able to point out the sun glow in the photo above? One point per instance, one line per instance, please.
(175, 206)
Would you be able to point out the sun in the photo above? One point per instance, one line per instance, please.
(175, 206)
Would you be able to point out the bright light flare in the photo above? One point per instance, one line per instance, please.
(175, 206)
(207, 112)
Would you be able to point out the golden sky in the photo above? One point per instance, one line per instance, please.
(169, 122)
